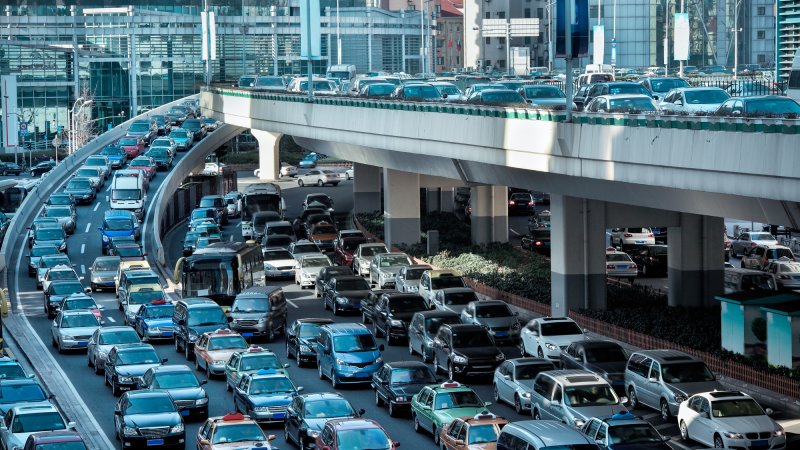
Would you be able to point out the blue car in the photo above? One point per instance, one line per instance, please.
(116, 156)
(307, 163)
(116, 223)
(154, 320)
(184, 139)
(347, 354)
(264, 395)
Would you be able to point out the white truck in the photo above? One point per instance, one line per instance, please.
(128, 192)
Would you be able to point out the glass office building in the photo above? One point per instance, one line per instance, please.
(141, 55)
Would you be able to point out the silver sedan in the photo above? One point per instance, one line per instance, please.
(103, 340)
(72, 330)
(513, 381)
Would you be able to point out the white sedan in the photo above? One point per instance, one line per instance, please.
(693, 100)
(349, 173)
(620, 265)
(320, 177)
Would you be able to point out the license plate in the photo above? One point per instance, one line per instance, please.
(152, 442)
(247, 334)
(184, 412)
(286, 274)
(167, 334)
(83, 344)
(278, 416)
(759, 443)
(501, 334)
(361, 374)
(640, 242)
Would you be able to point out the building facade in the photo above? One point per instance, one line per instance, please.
(788, 39)
(135, 57)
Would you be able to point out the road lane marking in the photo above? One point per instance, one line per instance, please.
(111, 319)
(514, 231)
(292, 303)
(83, 269)
(88, 226)
(109, 187)
(96, 206)
(83, 248)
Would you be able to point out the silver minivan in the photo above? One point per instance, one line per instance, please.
(573, 397)
(662, 379)
(541, 434)
(259, 311)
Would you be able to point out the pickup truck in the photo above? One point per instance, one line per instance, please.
(392, 314)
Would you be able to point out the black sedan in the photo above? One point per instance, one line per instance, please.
(186, 391)
(605, 358)
(301, 337)
(126, 364)
(42, 168)
(396, 382)
(521, 203)
(81, 189)
(138, 413)
(10, 168)
(651, 259)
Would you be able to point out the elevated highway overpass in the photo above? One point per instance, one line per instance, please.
(686, 173)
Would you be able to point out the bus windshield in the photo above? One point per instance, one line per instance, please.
(252, 204)
(209, 278)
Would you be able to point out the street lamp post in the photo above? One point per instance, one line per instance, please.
(549, 7)
(338, 37)
(736, 38)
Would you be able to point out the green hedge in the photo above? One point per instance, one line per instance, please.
(241, 158)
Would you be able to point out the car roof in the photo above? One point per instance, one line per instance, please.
(198, 301)
(353, 423)
(529, 361)
(547, 433)
(172, 368)
(346, 328)
(124, 348)
(552, 319)
(437, 313)
(321, 320)
(322, 396)
(724, 395)
(460, 327)
(406, 364)
(147, 393)
(52, 437)
(575, 377)
(668, 355)
(77, 312)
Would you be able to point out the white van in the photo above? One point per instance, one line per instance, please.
(128, 192)
(341, 72)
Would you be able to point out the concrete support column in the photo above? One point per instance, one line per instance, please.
(401, 207)
(696, 260)
(578, 260)
(366, 188)
(489, 220)
(269, 163)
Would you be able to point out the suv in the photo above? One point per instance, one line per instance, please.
(433, 280)
(344, 247)
(759, 256)
(538, 434)
(622, 431)
(218, 203)
(259, 311)
(193, 317)
(573, 397)
(118, 222)
(461, 350)
(393, 313)
(548, 336)
(662, 379)
(347, 354)
(21, 421)
(494, 315)
(630, 237)
(437, 405)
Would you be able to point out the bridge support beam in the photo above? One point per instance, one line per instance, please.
(695, 260)
(401, 223)
(578, 259)
(366, 188)
(269, 163)
(489, 220)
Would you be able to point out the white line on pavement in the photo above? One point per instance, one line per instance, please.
(111, 319)
(83, 248)
(97, 206)
(83, 269)
(88, 227)
(109, 187)
(514, 231)
(292, 303)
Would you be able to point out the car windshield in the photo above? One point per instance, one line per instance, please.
(665, 85)
(287, 230)
(447, 281)
(58, 275)
(481, 434)
(31, 423)
(128, 251)
(314, 262)
(529, 371)
(772, 106)
(251, 305)
(736, 408)
(111, 151)
(633, 434)
(179, 134)
(328, 408)
(433, 324)
(226, 343)
(207, 316)
(492, 311)
(560, 328)
(58, 211)
(706, 97)
(139, 128)
(126, 194)
(605, 354)
(139, 162)
(457, 399)
(86, 173)
(98, 161)
(262, 361)
(42, 250)
(373, 250)
(79, 320)
(448, 89)
(211, 202)
(350, 343)
(277, 254)
(54, 260)
(138, 356)
(395, 260)
(203, 214)
(161, 143)
(309, 330)
(617, 257)
(363, 439)
(318, 86)
(416, 375)
(352, 244)
(322, 229)
(534, 92)
(380, 89)
(356, 284)
(79, 303)
(59, 199)
(308, 248)
(149, 404)
(240, 432)
(79, 184)
(459, 298)
(404, 304)
(49, 233)
(175, 380)
(160, 312)
(21, 393)
(158, 153)
(127, 141)
(272, 385)
(762, 237)
(118, 224)
(501, 97)
(66, 289)
(11, 372)
(144, 296)
(595, 395)
(790, 267)
(472, 339)
(631, 104)
(689, 372)
(118, 337)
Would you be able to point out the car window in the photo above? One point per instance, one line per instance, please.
(592, 429)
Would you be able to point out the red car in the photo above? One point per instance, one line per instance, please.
(353, 433)
(133, 145)
(55, 440)
(344, 249)
(146, 164)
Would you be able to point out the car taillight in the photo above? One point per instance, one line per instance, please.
(651, 258)
(538, 243)
(511, 203)
(632, 266)
(753, 244)
(650, 235)
(784, 277)
(530, 203)
(628, 235)
(609, 266)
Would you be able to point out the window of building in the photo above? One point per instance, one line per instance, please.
(488, 40)
(540, 13)
(761, 58)
(761, 11)
(527, 13)
(761, 34)
(487, 63)
(458, 60)
(501, 14)
(487, 15)
(440, 60)
(593, 11)
(527, 40)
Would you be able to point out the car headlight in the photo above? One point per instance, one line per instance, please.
(192, 336)
(515, 325)
(778, 433)
(68, 337)
(177, 428)
(459, 359)
(201, 401)
(312, 433)
(733, 435)
(125, 379)
(578, 422)
(401, 398)
(500, 357)
(105, 238)
(396, 323)
(129, 431)
(413, 288)
(386, 274)
(305, 274)
(217, 362)
(679, 397)
(551, 347)
(341, 300)
(268, 266)
(341, 362)
(526, 394)
(363, 263)
(379, 360)
(305, 349)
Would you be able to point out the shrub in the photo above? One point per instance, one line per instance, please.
(241, 158)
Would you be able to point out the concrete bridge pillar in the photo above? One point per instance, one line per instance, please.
(269, 163)
(401, 207)
(578, 259)
(366, 188)
(489, 220)
(696, 260)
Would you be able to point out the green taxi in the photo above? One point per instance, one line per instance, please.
(435, 406)
(250, 361)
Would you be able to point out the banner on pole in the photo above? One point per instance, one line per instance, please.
(598, 46)
(204, 31)
(580, 28)
(310, 37)
(613, 51)
(681, 37)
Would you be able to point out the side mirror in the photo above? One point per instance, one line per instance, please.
(397, 444)
(100, 228)
(381, 347)
(202, 382)
(736, 113)
(678, 102)
(507, 377)
(487, 404)
(653, 380)
(117, 412)
(271, 437)
(164, 360)
(555, 403)
(300, 388)
(361, 412)
(230, 319)
(535, 333)
(769, 411)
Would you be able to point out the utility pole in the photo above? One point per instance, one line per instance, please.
(568, 60)
(680, 63)
(338, 37)
(736, 38)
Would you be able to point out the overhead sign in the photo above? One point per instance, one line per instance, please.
(8, 95)
(613, 51)
(579, 26)
(681, 37)
(512, 27)
(310, 37)
(599, 44)
(23, 128)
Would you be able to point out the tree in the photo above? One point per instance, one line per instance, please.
(84, 126)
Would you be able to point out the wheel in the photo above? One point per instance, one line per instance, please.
(286, 437)
(114, 389)
(496, 395)
(435, 432)
(718, 442)
(288, 353)
(177, 347)
(319, 371)
(320, 183)
(389, 340)
(451, 374)
(105, 381)
(633, 400)
(316, 291)
(300, 183)
(410, 348)
(537, 415)
(325, 304)
(364, 318)
(517, 404)
(197, 364)
(271, 335)
(392, 410)
(208, 371)
(666, 416)
(644, 271)
(335, 309)
(425, 356)
(540, 352)
(97, 369)
(335, 384)
(229, 389)
(378, 399)
(684, 431)
(436, 369)
(335, 184)
(417, 427)
(189, 355)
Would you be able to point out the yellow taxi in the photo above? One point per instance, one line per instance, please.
(232, 431)
(477, 432)
(213, 349)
